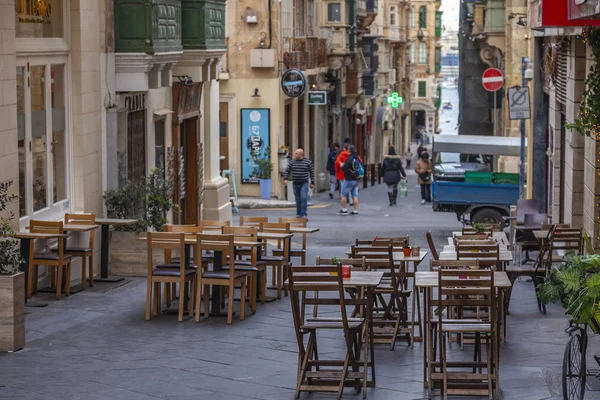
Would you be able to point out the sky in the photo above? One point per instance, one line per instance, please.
(451, 9)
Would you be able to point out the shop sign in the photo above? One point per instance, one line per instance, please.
(293, 82)
(557, 14)
(316, 98)
(189, 99)
(255, 134)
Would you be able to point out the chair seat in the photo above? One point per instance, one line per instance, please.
(171, 272)
(246, 268)
(249, 263)
(175, 265)
(459, 327)
(78, 250)
(49, 257)
(222, 275)
(273, 258)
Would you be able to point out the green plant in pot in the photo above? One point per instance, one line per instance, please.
(12, 281)
(576, 284)
(263, 168)
(479, 227)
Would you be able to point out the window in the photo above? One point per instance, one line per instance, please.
(42, 138)
(300, 12)
(159, 145)
(310, 16)
(412, 54)
(422, 89)
(334, 12)
(393, 16)
(287, 15)
(413, 17)
(422, 53)
(39, 19)
(422, 17)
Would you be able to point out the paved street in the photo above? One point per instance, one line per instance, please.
(96, 344)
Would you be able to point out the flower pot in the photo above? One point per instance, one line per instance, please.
(128, 256)
(12, 312)
(265, 188)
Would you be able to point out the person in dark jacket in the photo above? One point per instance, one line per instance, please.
(393, 173)
(333, 153)
(351, 183)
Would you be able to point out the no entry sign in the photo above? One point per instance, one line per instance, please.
(492, 79)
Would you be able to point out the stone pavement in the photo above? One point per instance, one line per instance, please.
(96, 344)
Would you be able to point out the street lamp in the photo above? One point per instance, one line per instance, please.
(420, 34)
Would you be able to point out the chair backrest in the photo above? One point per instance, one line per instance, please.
(48, 227)
(356, 263)
(275, 227)
(396, 241)
(83, 219)
(487, 229)
(217, 243)
(182, 228)
(567, 239)
(434, 265)
(488, 255)
(466, 288)
(547, 227)
(313, 278)
(432, 248)
(253, 221)
(212, 226)
(298, 223)
(167, 241)
(477, 236)
(370, 252)
(489, 242)
(363, 242)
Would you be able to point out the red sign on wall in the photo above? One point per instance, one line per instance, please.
(554, 14)
(369, 126)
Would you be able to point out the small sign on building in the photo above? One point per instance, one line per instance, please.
(316, 98)
(518, 103)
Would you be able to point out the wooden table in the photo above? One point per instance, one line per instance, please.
(429, 280)
(25, 246)
(105, 223)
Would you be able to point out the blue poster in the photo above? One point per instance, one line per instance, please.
(255, 136)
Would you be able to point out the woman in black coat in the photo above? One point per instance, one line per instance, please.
(393, 173)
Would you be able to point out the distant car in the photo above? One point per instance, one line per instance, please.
(452, 166)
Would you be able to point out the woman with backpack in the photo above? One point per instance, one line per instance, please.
(424, 169)
(393, 173)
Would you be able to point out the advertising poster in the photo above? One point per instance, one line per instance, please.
(254, 136)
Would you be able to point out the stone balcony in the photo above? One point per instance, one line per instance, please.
(395, 34)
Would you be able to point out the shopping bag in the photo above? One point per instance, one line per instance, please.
(403, 188)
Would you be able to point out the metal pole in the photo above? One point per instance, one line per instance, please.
(522, 150)
(495, 110)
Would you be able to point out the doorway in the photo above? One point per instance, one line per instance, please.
(223, 138)
(187, 179)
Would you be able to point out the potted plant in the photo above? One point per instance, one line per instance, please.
(479, 228)
(576, 284)
(148, 201)
(12, 281)
(261, 160)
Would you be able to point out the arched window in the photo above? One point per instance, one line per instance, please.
(422, 53)
(413, 17)
(393, 16)
(412, 54)
(422, 17)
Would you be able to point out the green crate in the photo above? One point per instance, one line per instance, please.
(478, 177)
(506, 179)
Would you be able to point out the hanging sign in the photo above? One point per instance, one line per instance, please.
(316, 98)
(293, 82)
(255, 137)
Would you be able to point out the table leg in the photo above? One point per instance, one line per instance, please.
(215, 308)
(188, 264)
(426, 339)
(105, 256)
(369, 317)
(25, 248)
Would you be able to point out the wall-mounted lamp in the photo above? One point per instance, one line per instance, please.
(512, 16)
(256, 94)
(522, 21)
(420, 35)
(185, 80)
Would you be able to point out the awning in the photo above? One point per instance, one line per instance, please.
(162, 111)
(474, 144)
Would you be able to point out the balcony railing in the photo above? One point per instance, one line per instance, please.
(395, 33)
(147, 26)
(203, 24)
(306, 53)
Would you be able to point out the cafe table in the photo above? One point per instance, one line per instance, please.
(25, 246)
(105, 223)
(428, 280)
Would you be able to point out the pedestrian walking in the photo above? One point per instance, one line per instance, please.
(420, 150)
(351, 168)
(393, 173)
(339, 173)
(333, 153)
(408, 156)
(418, 137)
(302, 171)
(424, 169)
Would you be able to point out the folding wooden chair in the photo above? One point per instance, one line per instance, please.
(311, 376)
(563, 241)
(396, 241)
(434, 253)
(435, 265)
(357, 264)
(488, 255)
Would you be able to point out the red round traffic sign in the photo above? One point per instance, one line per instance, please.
(492, 79)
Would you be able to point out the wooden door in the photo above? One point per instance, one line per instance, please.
(223, 133)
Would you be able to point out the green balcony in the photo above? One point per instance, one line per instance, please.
(147, 26)
(203, 24)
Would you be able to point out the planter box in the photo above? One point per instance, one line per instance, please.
(128, 256)
(12, 312)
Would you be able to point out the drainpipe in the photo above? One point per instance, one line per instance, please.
(352, 23)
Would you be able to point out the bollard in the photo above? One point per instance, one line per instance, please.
(372, 174)
(379, 173)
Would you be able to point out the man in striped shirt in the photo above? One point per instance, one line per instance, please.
(302, 170)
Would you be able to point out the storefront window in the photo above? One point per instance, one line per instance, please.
(39, 142)
(39, 18)
(59, 165)
(21, 139)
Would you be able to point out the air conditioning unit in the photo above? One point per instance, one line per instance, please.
(262, 58)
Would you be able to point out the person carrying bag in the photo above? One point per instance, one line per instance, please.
(424, 169)
(393, 173)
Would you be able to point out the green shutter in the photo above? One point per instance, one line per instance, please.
(438, 24)
(422, 17)
(203, 24)
(438, 59)
(422, 89)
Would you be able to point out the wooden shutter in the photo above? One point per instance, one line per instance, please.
(136, 145)
(561, 74)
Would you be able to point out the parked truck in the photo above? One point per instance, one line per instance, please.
(483, 196)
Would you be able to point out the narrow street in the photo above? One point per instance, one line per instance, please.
(96, 344)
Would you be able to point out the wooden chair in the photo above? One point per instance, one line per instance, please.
(277, 261)
(357, 264)
(86, 253)
(212, 227)
(488, 229)
(253, 221)
(55, 260)
(168, 276)
(312, 377)
(396, 241)
(435, 265)
(564, 241)
(227, 278)
(478, 236)
(251, 267)
(458, 289)
(488, 255)
(298, 253)
(434, 253)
